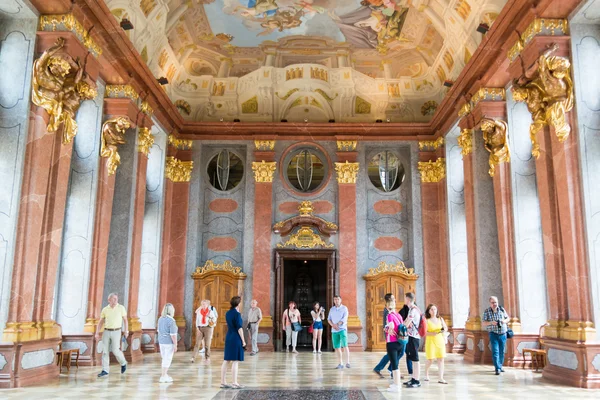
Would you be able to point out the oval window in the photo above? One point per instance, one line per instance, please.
(385, 171)
(225, 170)
(306, 170)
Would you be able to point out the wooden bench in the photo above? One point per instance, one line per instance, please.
(63, 354)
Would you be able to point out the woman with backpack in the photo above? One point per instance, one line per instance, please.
(291, 326)
(435, 342)
(206, 320)
(396, 338)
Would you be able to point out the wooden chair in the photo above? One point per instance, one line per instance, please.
(64, 354)
(538, 356)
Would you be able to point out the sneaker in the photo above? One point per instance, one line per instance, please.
(393, 389)
(202, 351)
(378, 373)
(192, 360)
(414, 384)
(320, 352)
(123, 368)
(340, 366)
(348, 365)
(393, 385)
(253, 353)
(502, 370)
(408, 382)
(169, 379)
(314, 352)
(497, 372)
(103, 373)
(163, 379)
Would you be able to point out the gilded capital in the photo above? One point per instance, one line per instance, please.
(431, 145)
(264, 145)
(146, 108)
(121, 91)
(543, 26)
(432, 171)
(465, 141)
(68, 23)
(180, 144)
(263, 171)
(464, 110)
(495, 137)
(346, 172)
(488, 94)
(346, 145)
(177, 170)
(113, 134)
(145, 141)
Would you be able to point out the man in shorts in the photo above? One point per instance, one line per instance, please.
(338, 319)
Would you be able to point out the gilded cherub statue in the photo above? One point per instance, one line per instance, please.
(548, 93)
(58, 87)
(113, 134)
(496, 142)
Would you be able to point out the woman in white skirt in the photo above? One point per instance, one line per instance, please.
(167, 340)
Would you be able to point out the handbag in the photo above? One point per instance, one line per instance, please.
(509, 332)
(311, 328)
(296, 327)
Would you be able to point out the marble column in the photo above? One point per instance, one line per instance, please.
(347, 169)
(264, 169)
(270, 60)
(178, 173)
(224, 67)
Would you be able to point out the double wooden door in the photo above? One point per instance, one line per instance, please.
(377, 287)
(218, 287)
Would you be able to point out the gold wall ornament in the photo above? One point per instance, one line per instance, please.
(432, 171)
(431, 145)
(67, 22)
(346, 145)
(210, 266)
(146, 108)
(325, 95)
(464, 110)
(465, 141)
(264, 145)
(113, 134)
(250, 106)
(183, 106)
(288, 94)
(120, 91)
(145, 141)
(495, 137)
(58, 86)
(305, 238)
(429, 107)
(264, 171)
(361, 106)
(384, 267)
(180, 144)
(306, 208)
(548, 94)
(177, 170)
(346, 172)
(488, 94)
(546, 27)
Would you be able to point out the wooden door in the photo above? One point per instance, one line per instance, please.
(376, 291)
(228, 287)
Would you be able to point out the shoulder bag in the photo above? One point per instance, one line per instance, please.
(509, 332)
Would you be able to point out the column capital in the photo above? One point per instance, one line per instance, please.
(495, 138)
(145, 141)
(539, 26)
(465, 141)
(68, 23)
(431, 145)
(346, 172)
(177, 170)
(432, 171)
(264, 171)
(264, 145)
(180, 144)
(346, 145)
(113, 134)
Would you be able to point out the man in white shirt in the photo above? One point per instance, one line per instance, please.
(338, 319)
(206, 320)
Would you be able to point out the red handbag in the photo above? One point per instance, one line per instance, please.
(310, 328)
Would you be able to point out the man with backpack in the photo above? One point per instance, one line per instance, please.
(416, 328)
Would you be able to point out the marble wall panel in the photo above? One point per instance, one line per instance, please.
(457, 230)
(148, 309)
(74, 269)
(529, 248)
(585, 42)
(17, 42)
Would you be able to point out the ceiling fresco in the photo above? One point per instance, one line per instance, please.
(406, 49)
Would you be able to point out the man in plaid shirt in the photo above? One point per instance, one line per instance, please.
(495, 319)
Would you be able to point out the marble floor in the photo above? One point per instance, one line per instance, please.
(311, 377)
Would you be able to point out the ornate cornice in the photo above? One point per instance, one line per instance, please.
(488, 94)
(306, 218)
(210, 266)
(431, 145)
(68, 22)
(305, 238)
(180, 144)
(465, 141)
(264, 171)
(399, 267)
(264, 145)
(432, 171)
(145, 141)
(346, 172)
(121, 91)
(177, 170)
(346, 145)
(547, 27)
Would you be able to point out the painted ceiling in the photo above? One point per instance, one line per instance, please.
(420, 43)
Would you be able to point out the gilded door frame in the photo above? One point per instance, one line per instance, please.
(332, 285)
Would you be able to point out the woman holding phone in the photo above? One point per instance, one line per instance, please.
(318, 315)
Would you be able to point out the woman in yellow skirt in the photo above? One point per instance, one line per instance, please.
(435, 344)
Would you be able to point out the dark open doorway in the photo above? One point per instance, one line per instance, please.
(304, 277)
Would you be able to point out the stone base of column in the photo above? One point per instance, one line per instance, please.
(457, 341)
(355, 333)
(571, 363)
(180, 320)
(514, 349)
(475, 346)
(266, 335)
(133, 349)
(149, 344)
(85, 343)
(34, 363)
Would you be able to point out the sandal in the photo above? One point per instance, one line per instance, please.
(225, 386)
(443, 382)
(234, 386)
(426, 379)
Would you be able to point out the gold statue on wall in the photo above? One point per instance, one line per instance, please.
(113, 134)
(495, 140)
(548, 94)
(58, 87)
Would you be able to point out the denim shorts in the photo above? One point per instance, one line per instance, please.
(318, 325)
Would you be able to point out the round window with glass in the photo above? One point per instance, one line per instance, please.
(385, 171)
(306, 169)
(225, 170)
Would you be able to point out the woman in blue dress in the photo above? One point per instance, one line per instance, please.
(234, 344)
